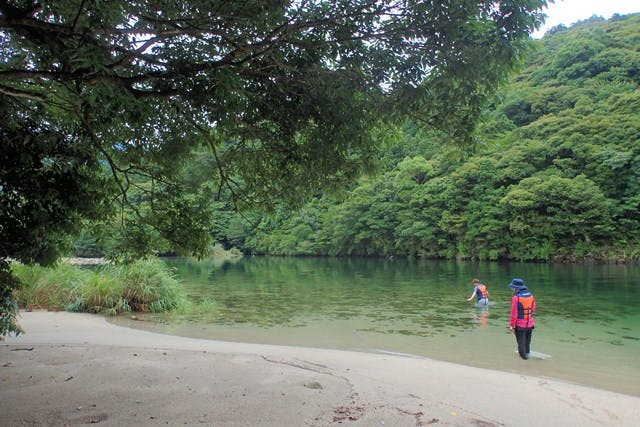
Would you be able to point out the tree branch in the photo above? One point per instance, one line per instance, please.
(19, 93)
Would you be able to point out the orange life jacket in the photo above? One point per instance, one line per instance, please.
(525, 307)
(482, 291)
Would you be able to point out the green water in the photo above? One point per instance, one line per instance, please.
(588, 316)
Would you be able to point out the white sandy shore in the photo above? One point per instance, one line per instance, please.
(74, 369)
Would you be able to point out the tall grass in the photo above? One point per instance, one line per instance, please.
(144, 286)
(50, 288)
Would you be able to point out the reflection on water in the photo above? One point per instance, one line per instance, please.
(588, 316)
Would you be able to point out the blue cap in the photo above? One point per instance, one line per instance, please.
(517, 285)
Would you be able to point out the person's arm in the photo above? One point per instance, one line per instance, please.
(514, 312)
(473, 294)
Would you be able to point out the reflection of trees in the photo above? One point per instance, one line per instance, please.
(419, 298)
(414, 297)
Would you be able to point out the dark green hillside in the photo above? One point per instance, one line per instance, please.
(555, 174)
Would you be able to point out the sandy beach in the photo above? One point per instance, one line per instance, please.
(76, 369)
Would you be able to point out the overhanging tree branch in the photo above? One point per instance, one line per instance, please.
(19, 93)
(299, 84)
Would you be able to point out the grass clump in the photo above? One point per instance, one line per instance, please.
(149, 285)
(98, 293)
(47, 287)
(144, 286)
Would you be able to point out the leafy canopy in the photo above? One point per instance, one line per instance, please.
(110, 100)
(557, 177)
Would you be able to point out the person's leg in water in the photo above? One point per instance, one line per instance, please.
(521, 340)
(528, 333)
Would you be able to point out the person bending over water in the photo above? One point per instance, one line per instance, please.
(480, 291)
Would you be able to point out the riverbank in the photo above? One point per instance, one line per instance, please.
(72, 369)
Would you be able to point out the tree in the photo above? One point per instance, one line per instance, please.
(564, 185)
(285, 94)
(559, 212)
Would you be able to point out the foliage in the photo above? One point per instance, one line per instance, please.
(120, 98)
(149, 286)
(144, 286)
(554, 176)
(135, 116)
(48, 288)
(8, 305)
(48, 181)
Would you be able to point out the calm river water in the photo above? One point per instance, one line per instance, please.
(588, 316)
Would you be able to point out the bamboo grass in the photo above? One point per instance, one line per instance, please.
(143, 286)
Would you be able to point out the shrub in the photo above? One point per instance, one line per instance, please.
(8, 302)
(144, 285)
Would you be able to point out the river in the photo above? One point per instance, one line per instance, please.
(588, 318)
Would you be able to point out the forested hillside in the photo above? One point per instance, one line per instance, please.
(554, 174)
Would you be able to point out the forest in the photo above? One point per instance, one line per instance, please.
(375, 129)
(134, 128)
(553, 173)
(545, 169)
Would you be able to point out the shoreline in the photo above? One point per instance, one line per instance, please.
(75, 368)
(485, 347)
(223, 255)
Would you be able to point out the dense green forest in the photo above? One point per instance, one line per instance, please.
(148, 125)
(554, 174)
(285, 142)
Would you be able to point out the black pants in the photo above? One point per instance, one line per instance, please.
(523, 337)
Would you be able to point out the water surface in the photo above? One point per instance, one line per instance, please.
(588, 316)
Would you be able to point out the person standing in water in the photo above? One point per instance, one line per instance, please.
(523, 305)
(480, 291)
